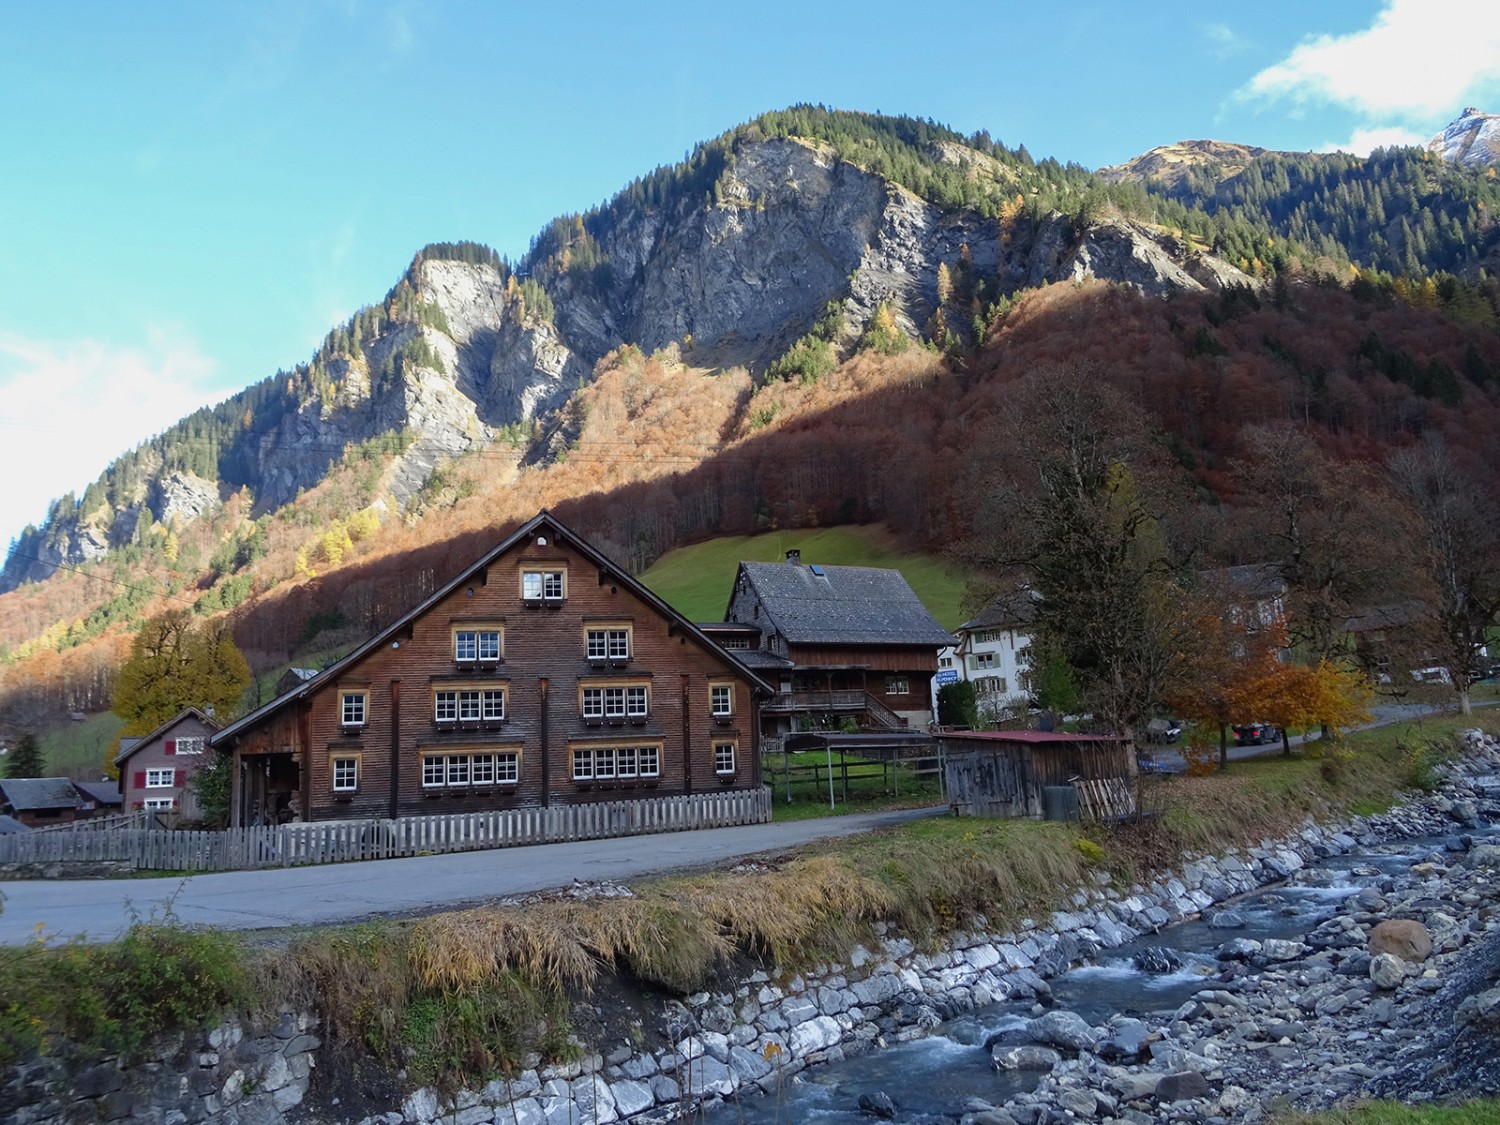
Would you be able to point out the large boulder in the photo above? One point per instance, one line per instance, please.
(1027, 1056)
(1406, 938)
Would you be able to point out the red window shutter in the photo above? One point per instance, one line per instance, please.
(180, 779)
(140, 779)
(170, 746)
(137, 804)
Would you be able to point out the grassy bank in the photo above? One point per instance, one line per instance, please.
(455, 998)
(1483, 1111)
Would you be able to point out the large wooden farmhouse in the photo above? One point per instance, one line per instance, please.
(842, 643)
(542, 675)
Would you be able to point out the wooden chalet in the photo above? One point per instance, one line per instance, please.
(156, 768)
(1009, 773)
(542, 675)
(840, 642)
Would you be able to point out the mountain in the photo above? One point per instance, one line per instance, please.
(1472, 139)
(1168, 166)
(733, 256)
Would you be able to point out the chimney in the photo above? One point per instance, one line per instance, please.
(794, 557)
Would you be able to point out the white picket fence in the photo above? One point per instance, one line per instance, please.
(341, 841)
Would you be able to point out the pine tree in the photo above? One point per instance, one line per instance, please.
(26, 759)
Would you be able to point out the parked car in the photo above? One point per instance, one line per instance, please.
(1254, 734)
(1163, 730)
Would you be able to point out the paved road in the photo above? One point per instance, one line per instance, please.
(299, 896)
(1382, 714)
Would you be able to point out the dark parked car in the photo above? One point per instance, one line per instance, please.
(1254, 734)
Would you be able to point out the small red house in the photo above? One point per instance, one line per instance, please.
(154, 770)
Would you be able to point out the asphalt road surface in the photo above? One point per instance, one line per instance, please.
(100, 910)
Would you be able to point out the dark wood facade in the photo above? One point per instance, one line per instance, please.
(543, 675)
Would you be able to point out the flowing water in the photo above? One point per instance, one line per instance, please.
(931, 1078)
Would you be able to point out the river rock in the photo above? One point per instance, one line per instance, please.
(1238, 949)
(1183, 1084)
(1279, 949)
(1387, 971)
(1406, 938)
(1484, 855)
(1026, 1056)
(1226, 920)
(1127, 1040)
(878, 1105)
(1157, 959)
(1067, 1030)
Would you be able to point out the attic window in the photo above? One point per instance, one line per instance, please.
(816, 569)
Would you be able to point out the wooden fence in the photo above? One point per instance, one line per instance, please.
(340, 841)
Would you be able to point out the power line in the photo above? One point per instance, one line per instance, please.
(101, 578)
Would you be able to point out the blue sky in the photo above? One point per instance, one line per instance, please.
(192, 194)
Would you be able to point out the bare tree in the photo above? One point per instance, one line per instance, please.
(1459, 552)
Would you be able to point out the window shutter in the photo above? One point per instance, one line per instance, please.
(140, 779)
(137, 804)
(170, 746)
(180, 778)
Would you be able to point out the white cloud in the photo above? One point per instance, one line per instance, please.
(71, 408)
(1223, 41)
(1361, 141)
(1420, 60)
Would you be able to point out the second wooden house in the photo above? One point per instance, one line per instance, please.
(542, 675)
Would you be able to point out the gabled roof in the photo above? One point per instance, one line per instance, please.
(1004, 612)
(186, 713)
(100, 792)
(303, 674)
(10, 825)
(1258, 581)
(848, 605)
(1380, 617)
(23, 793)
(559, 531)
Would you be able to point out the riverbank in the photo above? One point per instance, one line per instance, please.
(438, 987)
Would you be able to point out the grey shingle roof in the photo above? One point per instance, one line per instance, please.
(1251, 580)
(1008, 610)
(100, 792)
(39, 793)
(859, 605)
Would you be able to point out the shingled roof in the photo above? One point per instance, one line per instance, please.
(1005, 612)
(846, 605)
(29, 793)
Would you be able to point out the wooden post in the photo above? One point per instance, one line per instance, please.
(394, 804)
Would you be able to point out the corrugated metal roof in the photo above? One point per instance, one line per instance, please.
(851, 605)
(1034, 737)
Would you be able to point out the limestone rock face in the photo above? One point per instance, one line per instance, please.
(1407, 939)
(730, 278)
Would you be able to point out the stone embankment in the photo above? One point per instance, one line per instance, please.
(1309, 1020)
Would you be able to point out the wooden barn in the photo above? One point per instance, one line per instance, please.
(1031, 773)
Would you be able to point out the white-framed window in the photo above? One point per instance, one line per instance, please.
(721, 700)
(476, 704)
(583, 763)
(190, 745)
(352, 708)
(724, 758)
(544, 585)
(476, 645)
(615, 701)
(610, 642)
(470, 769)
(737, 643)
(990, 685)
(945, 662)
(897, 685)
(610, 763)
(345, 773)
(159, 804)
(981, 660)
(161, 778)
(604, 762)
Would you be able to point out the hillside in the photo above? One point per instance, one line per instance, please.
(699, 579)
(830, 310)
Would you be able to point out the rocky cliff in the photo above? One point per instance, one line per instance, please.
(1472, 139)
(461, 348)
